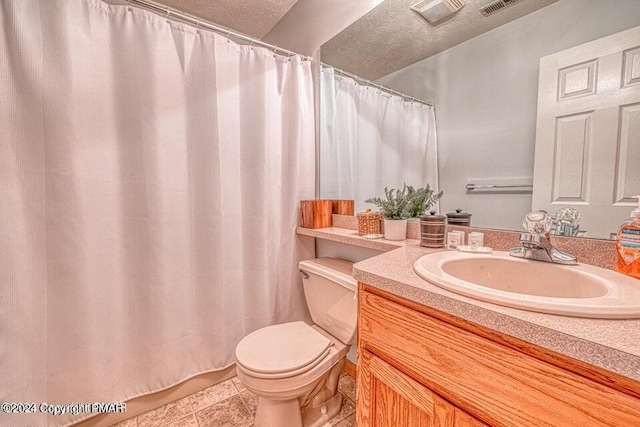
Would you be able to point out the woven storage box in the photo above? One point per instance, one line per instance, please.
(369, 222)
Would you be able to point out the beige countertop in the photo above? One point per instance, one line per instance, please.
(609, 344)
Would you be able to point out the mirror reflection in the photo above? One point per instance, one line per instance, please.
(535, 106)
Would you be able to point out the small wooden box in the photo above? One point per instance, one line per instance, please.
(343, 207)
(316, 213)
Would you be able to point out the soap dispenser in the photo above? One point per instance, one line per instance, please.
(628, 244)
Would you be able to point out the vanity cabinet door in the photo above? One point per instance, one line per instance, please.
(389, 398)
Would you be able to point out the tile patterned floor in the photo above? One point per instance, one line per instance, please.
(229, 404)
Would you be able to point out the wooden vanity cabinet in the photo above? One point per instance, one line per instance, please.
(415, 369)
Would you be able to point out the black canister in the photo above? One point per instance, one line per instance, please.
(459, 218)
(432, 228)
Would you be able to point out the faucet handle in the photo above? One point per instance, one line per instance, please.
(570, 215)
(529, 238)
(533, 241)
(538, 223)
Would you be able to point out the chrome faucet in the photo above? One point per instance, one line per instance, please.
(536, 244)
(567, 222)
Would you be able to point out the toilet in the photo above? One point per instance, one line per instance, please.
(294, 367)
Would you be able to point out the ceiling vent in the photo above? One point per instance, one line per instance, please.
(435, 11)
(497, 6)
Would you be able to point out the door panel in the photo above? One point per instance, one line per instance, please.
(631, 67)
(587, 153)
(571, 162)
(628, 154)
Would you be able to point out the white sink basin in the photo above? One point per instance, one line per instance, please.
(571, 290)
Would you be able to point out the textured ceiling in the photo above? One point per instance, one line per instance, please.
(252, 17)
(392, 36)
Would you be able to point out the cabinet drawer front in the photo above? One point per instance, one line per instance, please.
(494, 383)
(389, 398)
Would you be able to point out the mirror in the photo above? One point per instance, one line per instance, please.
(482, 76)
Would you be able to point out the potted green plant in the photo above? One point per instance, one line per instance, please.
(420, 200)
(394, 212)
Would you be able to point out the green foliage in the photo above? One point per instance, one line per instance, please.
(394, 206)
(405, 203)
(420, 200)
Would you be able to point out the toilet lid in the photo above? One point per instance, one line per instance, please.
(281, 348)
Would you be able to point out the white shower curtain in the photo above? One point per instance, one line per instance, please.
(149, 183)
(370, 140)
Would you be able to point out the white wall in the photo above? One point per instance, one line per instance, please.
(485, 93)
(327, 248)
(311, 23)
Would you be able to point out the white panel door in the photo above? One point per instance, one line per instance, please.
(587, 153)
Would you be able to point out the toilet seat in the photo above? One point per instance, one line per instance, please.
(282, 351)
(293, 385)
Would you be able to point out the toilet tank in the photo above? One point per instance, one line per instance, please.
(330, 291)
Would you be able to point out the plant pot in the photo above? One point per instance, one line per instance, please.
(395, 229)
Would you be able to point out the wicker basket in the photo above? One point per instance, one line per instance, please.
(369, 222)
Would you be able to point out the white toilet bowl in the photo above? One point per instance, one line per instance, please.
(294, 368)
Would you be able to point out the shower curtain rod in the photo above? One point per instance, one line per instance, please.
(169, 12)
(382, 88)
